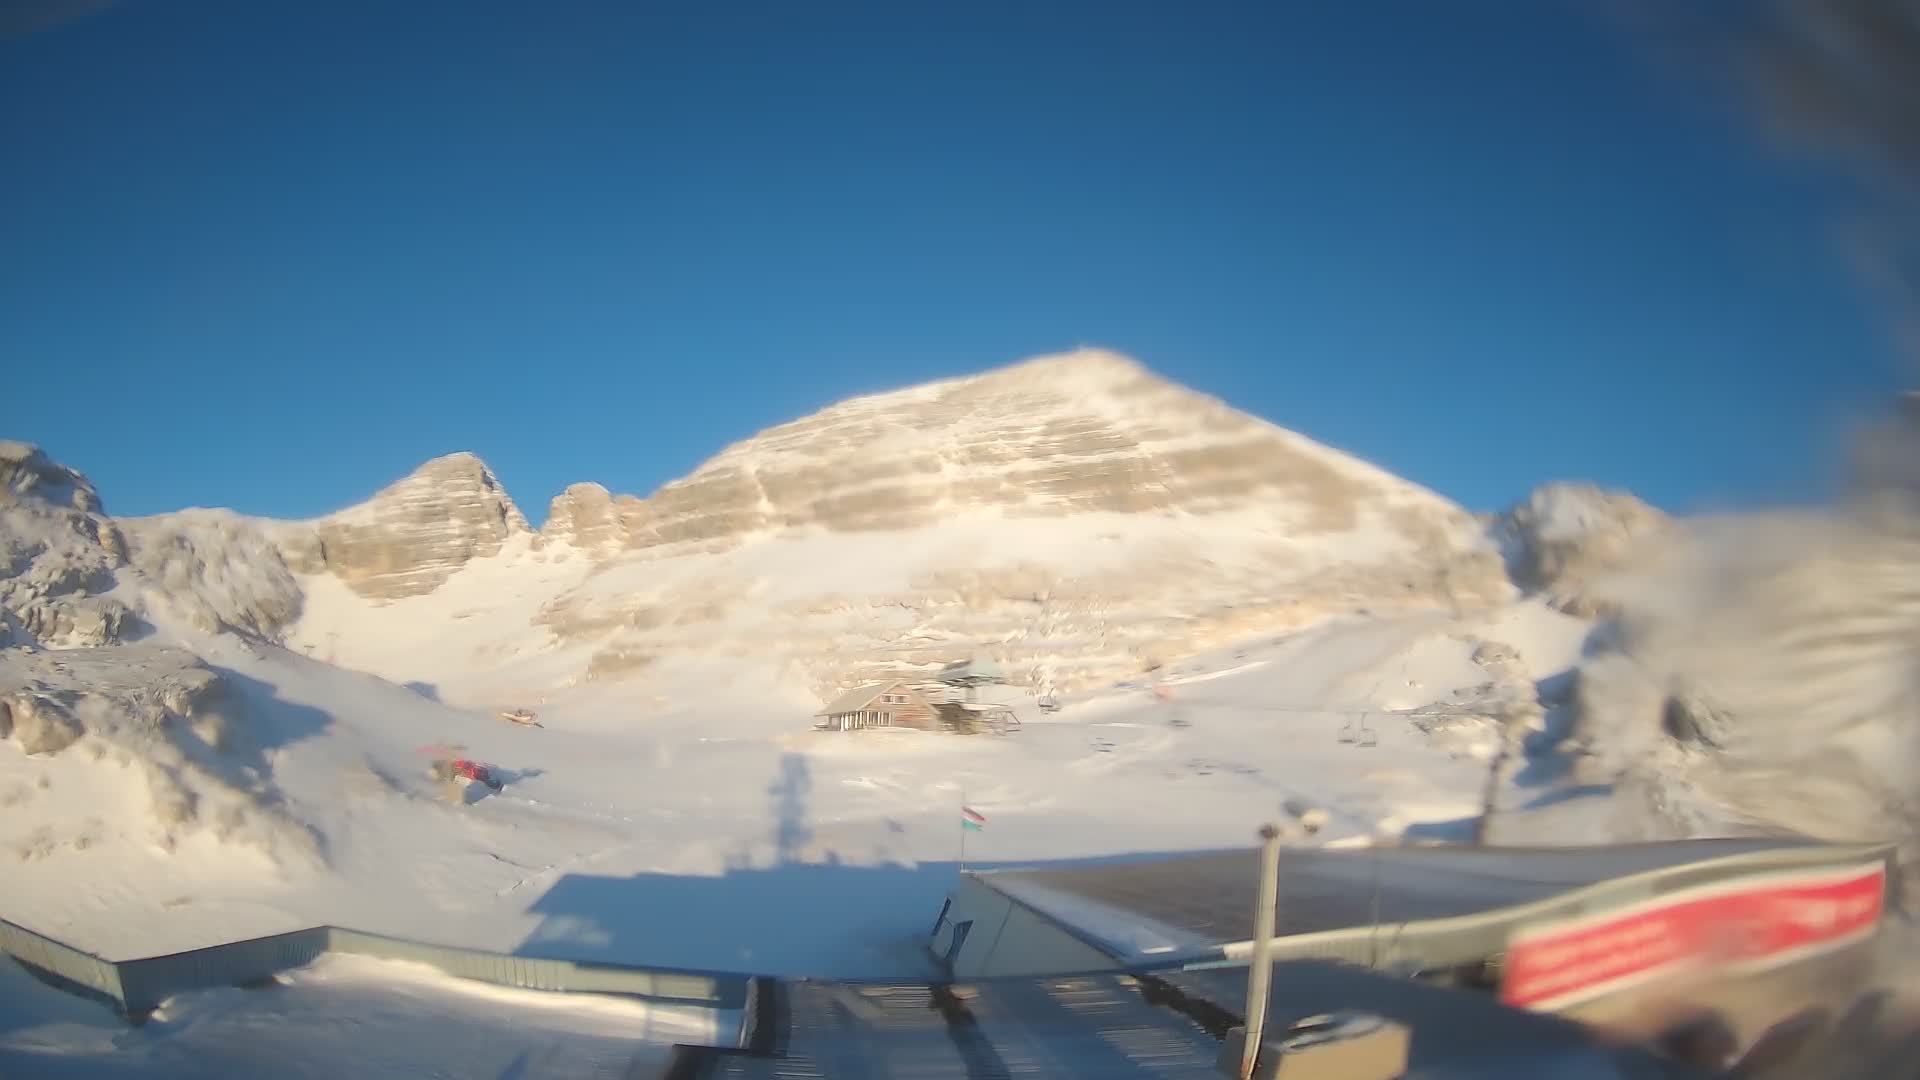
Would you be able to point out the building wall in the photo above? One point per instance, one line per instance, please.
(897, 706)
(913, 711)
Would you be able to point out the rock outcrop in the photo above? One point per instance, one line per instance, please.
(417, 532)
(57, 553)
(162, 712)
(586, 516)
(27, 472)
(1565, 538)
(216, 569)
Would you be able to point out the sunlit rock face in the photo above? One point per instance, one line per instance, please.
(586, 516)
(26, 472)
(1075, 517)
(413, 535)
(1084, 431)
(58, 555)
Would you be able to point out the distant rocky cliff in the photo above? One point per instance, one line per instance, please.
(1080, 432)
(413, 534)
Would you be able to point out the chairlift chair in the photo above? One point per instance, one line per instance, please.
(1367, 737)
(1345, 733)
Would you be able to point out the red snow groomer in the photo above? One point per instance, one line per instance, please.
(472, 772)
(463, 772)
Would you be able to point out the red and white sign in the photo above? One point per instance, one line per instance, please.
(1753, 922)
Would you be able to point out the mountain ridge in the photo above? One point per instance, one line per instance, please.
(1076, 517)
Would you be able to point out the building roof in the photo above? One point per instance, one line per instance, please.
(1206, 901)
(962, 672)
(858, 698)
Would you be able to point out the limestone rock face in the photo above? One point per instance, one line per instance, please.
(1074, 519)
(416, 533)
(1078, 432)
(298, 544)
(1565, 537)
(74, 621)
(586, 516)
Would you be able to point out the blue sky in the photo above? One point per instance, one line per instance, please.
(273, 255)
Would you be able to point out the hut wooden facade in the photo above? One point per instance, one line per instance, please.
(888, 704)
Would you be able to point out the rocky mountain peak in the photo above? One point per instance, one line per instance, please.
(27, 472)
(1086, 431)
(416, 532)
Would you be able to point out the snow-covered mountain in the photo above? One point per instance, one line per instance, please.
(1075, 518)
(218, 725)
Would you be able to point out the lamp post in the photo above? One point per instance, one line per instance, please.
(1260, 973)
(1307, 821)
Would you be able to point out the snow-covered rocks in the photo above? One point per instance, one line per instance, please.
(54, 697)
(27, 472)
(39, 722)
(57, 554)
(169, 720)
(1760, 677)
(414, 534)
(1565, 537)
(216, 569)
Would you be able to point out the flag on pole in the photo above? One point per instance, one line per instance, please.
(972, 820)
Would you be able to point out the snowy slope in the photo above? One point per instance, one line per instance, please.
(653, 836)
(1230, 616)
(1075, 519)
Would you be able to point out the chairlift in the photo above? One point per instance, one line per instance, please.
(1048, 704)
(1367, 737)
(1345, 733)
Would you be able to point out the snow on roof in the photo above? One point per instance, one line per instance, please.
(971, 670)
(857, 699)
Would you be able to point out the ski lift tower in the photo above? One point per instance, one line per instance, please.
(968, 676)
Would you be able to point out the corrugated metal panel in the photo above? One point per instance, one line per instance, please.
(538, 973)
(83, 970)
(144, 984)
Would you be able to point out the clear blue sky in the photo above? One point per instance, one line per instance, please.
(272, 255)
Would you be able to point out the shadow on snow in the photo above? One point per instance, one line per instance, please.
(827, 918)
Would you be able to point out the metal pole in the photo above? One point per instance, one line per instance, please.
(963, 830)
(1260, 972)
